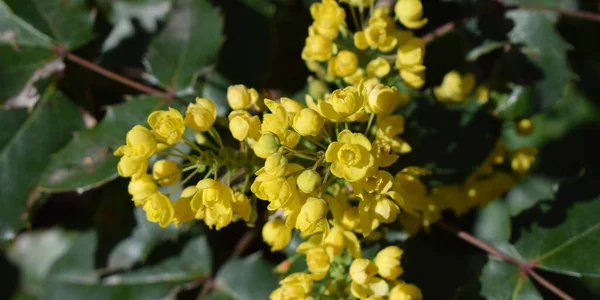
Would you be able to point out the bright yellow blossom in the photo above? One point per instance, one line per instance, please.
(318, 261)
(522, 159)
(345, 63)
(405, 291)
(201, 115)
(242, 125)
(128, 167)
(309, 181)
(410, 13)
(350, 156)
(362, 270)
(167, 126)
(166, 172)
(388, 129)
(374, 287)
(375, 36)
(267, 144)
(140, 144)
(159, 209)
(524, 127)
(276, 234)
(308, 122)
(182, 208)
(141, 188)
(383, 100)
(344, 105)
(328, 16)
(410, 55)
(378, 67)
(455, 87)
(312, 216)
(318, 48)
(414, 80)
(241, 206)
(388, 262)
(241, 97)
(214, 201)
(276, 165)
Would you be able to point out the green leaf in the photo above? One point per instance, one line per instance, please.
(88, 161)
(233, 278)
(493, 222)
(569, 248)
(190, 40)
(26, 154)
(10, 121)
(530, 191)
(501, 281)
(137, 247)
(68, 22)
(544, 46)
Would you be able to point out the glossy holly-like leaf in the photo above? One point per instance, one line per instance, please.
(88, 160)
(493, 222)
(26, 154)
(233, 280)
(190, 41)
(138, 246)
(11, 120)
(571, 247)
(543, 45)
(530, 191)
(500, 281)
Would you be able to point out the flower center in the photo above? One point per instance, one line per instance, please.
(349, 155)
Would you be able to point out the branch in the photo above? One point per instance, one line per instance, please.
(526, 268)
(112, 75)
(581, 14)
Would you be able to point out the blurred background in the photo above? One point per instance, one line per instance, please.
(68, 229)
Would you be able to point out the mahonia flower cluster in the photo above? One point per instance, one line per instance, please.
(337, 55)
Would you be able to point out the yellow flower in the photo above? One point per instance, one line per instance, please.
(278, 122)
(414, 80)
(182, 207)
(312, 216)
(383, 100)
(159, 209)
(140, 144)
(455, 87)
(308, 181)
(482, 93)
(266, 145)
(388, 262)
(362, 269)
(166, 172)
(308, 122)
(387, 130)
(344, 105)
(276, 234)
(343, 64)
(128, 167)
(410, 55)
(377, 181)
(350, 156)
(241, 97)
(405, 291)
(276, 165)
(167, 126)
(328, 16)
(214, 201)
(374, 287)
(524, 127)
(318, 261)
(318, 48)
(374, 209)
(382, 153)
(522, 159)
(141, 188)
(375, 36)
(295, 286)
(378, 67)
(242, 125)
(410, 13)
(291, 106)
(355, 78)
(339, 239)
(201, 115)
(241, 206)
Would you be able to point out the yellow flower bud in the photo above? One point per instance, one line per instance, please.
(241, 97)
(455, 87)
(410, 55)
(378, 67)
(328, 16)
(166, 172)
(344, 64)
(344, 105)
(524, 127)
(312, 215)
(405, 291)
(383, 100)
(317, 48)
(140, 144)
(522, 159)
(168, 126)
(266, 145)
(242, 125)
(362, 269)
(308, 122)
(309, 181)
(410, 13)
(388, 262)
(201, 115)
(317, 261)
(374, 287)
(350, 156)
(276, 165)
(276, 234)
(414, 80)
(241, 206)
(302, 280)
(182, 207)
(159, 209)
(141, 188)
(128, 167)
(213, 202)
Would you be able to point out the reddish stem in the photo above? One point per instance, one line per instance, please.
(558, 292)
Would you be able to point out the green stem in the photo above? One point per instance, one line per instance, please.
(173, 154)
(324, 181)
(215, 135)
(355, 19)
(318, 163)
(183, 182)
(191, 144)
(190, 168)
(301, 155)
(370, 123)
